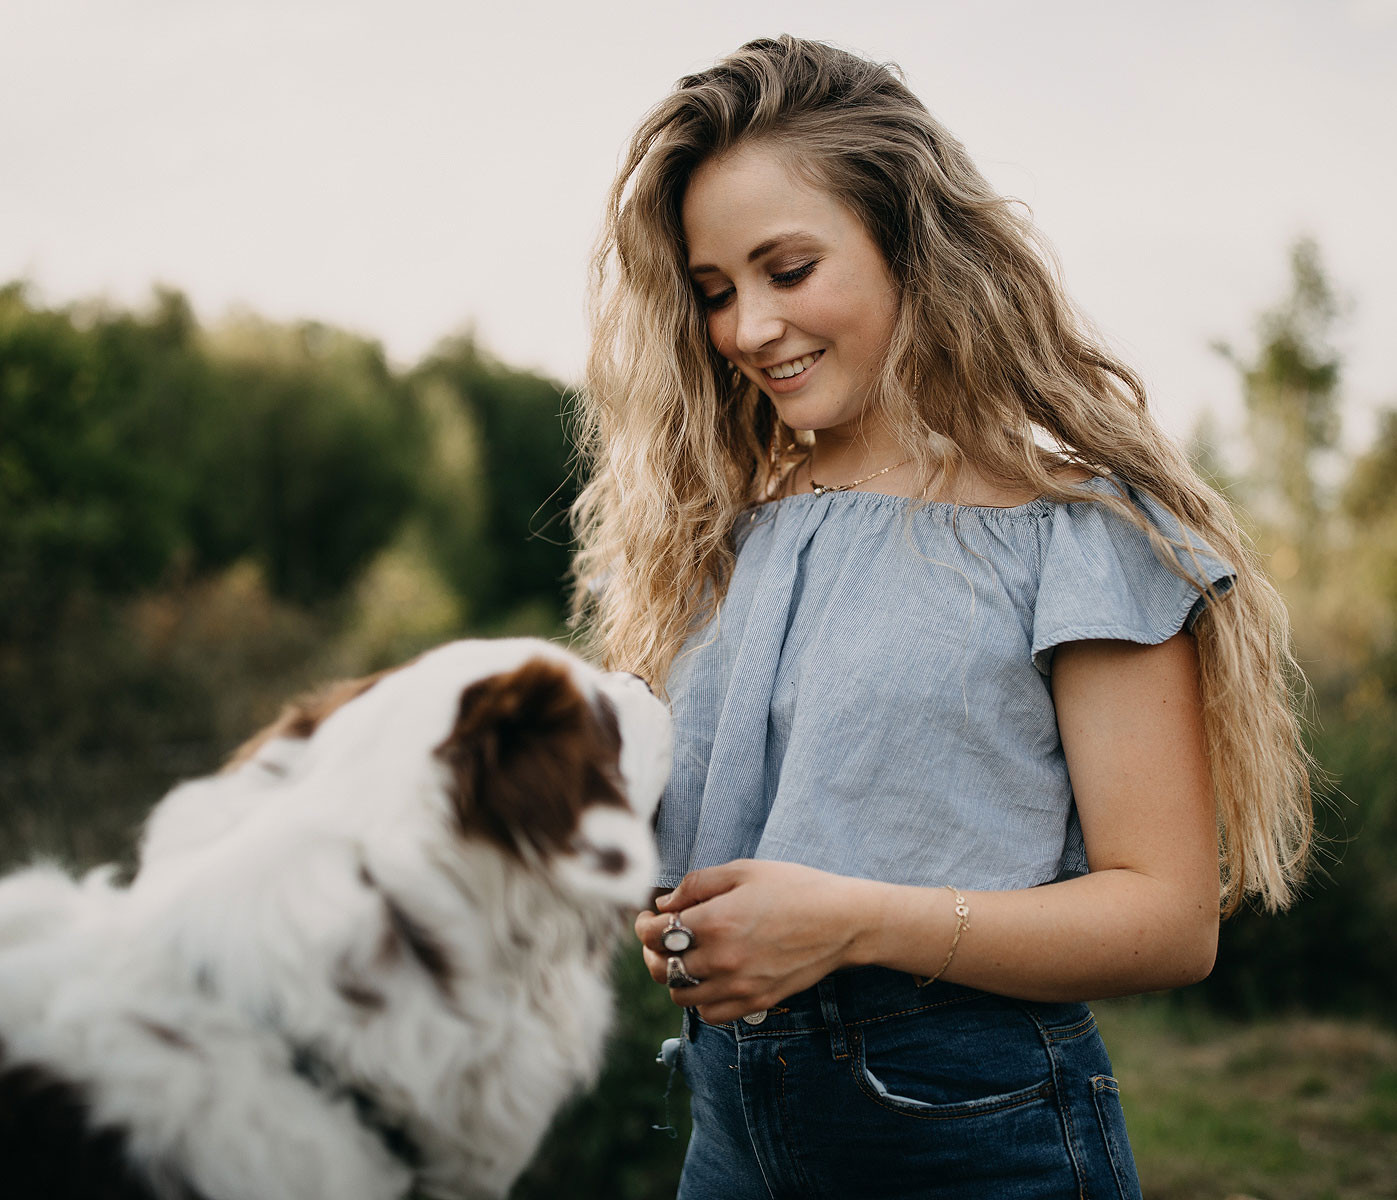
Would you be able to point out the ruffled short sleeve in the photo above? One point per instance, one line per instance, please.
(1101, 578)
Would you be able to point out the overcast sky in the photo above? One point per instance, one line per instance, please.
(408, 168)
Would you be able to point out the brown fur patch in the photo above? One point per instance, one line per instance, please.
(163, 1033)
(414, 938)
(359, 996)
(303, 715)
(404, 934)
(528, 754)
(49, 1149)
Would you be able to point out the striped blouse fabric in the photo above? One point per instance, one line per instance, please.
(872, 697)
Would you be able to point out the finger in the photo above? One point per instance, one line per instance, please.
(649, 928)
(708, 990)
(719, 1004)
(656, 964)
(692, 997)
(721, 1012)
(701, 885)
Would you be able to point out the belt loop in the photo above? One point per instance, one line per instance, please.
(829, 1009)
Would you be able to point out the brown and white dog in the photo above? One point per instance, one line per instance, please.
(368, 959)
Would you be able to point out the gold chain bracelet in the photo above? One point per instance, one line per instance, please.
(962, 924)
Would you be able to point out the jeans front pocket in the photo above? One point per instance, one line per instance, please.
(1111, 1117)
(962, 1061)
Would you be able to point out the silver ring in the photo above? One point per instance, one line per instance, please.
(676, 976)
(677, 936)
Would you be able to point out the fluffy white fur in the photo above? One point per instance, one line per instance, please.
(267, 916)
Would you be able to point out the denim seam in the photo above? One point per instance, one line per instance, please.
(962, 1111)
(1064, 1104)
(902, 1012)
(753, 1034)
(747, 1116)
(1108, 1084)
(1070, 1033)
(797, 1167)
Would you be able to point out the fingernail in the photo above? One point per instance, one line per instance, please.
(664, 899)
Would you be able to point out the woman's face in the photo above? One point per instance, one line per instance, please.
(798, 294)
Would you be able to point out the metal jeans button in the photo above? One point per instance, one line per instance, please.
(755, 1018)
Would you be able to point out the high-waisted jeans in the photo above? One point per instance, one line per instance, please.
(867, 1086)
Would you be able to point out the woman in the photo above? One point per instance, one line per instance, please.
(982, 707)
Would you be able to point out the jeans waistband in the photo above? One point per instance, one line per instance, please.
(848, 997)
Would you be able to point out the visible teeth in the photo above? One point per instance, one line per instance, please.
(794, 367)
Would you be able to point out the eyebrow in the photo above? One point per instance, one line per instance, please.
(756, 252)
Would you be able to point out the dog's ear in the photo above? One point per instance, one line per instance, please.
(528, 754)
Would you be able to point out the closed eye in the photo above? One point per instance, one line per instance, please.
(717, 300)
(790, 278)
(783, 279)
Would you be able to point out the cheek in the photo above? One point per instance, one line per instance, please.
(720, 333)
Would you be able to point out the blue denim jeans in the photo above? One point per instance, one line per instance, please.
(867, 1086)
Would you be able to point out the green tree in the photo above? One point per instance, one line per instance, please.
(1369, 502)
(305, 454)
(86, 501)
(523, 451)
(1291, 390)
(140, 460)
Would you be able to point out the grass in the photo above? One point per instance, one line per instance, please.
(1295, 1109)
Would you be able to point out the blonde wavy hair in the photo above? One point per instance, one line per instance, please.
(674, 444)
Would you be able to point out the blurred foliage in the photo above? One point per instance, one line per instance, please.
(1290, 388)
(510, 429)
(1333, 551)
(197, 522)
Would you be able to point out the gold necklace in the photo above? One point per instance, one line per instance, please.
(821, 488)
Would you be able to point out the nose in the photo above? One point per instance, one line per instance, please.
(759, 321)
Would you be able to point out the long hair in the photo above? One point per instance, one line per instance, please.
(675, 444)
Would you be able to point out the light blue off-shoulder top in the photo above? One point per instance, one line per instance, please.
(872, 696)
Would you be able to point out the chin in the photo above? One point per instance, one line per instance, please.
(369, 958)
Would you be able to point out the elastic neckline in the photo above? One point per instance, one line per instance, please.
(1034, 507)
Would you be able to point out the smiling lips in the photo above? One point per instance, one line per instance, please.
(796, 366)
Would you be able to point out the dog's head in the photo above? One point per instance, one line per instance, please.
(514, 744)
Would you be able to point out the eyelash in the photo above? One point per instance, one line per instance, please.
(781, 279)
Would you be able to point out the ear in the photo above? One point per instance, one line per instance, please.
(528, 754)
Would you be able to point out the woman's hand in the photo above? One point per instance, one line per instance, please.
(762, 931)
